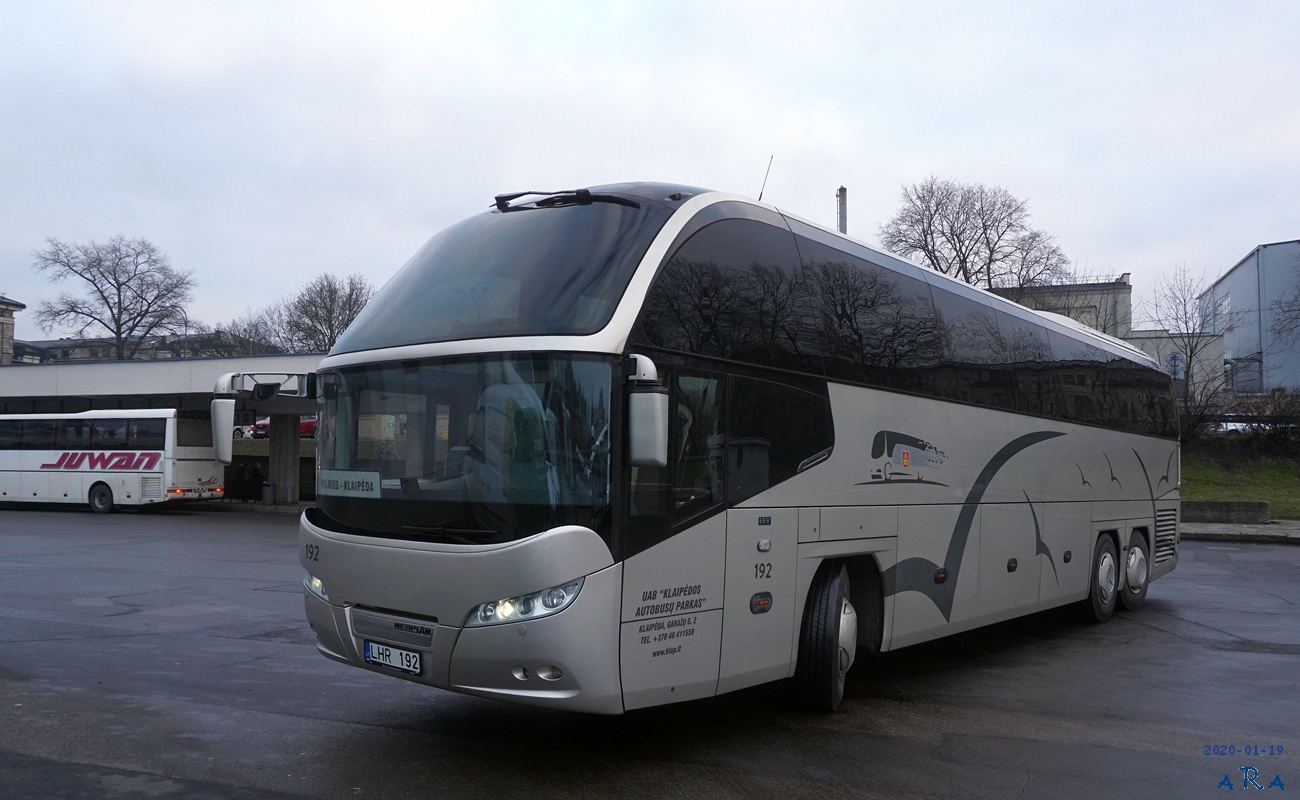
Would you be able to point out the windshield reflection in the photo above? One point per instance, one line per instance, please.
(483, 449)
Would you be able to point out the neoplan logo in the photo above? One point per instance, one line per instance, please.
(105, 461)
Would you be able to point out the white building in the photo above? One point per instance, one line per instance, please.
(1244, 302)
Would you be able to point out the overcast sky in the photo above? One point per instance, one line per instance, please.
(262, 144)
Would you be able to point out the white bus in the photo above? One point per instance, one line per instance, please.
(613, 448)
(108, 458)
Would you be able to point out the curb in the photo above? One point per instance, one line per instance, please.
(281, 509)
(1277, 532)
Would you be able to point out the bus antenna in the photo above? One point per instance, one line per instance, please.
(765, 174)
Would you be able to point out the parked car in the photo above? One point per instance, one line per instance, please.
(306, 427)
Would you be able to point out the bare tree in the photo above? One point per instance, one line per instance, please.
(317, 316)
(307, 322)
(973, 232)
(131, 290)
(1286, 313)
(262, 331)
(1194, 325)
(1270, 418)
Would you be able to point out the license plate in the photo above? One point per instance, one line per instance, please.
(392, 657)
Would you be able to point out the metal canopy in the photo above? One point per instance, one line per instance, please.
(164, 383)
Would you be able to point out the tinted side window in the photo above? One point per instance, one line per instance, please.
(193, 433)
(697, 454)
(151, 434)
(38, 435)
(1158, 410)
(974, 365)
(11, 434)
(1097, 387)
(970, 330)
(74, 434)
(693, 483)
(1129, 398)
(874, 325)
(733, 290)
(1026, 349)
(108, 434)
(1023, 341)
(774, 430)
(1077, 378)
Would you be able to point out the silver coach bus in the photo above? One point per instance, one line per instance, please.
(638, 444)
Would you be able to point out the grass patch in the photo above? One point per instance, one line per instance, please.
(1271, 478)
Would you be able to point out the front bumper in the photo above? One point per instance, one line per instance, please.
(569, 660)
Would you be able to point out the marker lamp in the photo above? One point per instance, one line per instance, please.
(525, 607)
(313, 584)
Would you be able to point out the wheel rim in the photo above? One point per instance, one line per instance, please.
(1106, 574)
(848, 644)
(1136, 569)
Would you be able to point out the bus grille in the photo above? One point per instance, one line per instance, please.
(150, 487)
(1166, 534)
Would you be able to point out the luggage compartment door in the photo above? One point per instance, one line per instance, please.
(758, 621)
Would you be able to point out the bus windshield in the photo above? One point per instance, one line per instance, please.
(533, 270)
(472, 450)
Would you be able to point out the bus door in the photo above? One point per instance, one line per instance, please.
(759, 601)
(672, 618)
(673, 588)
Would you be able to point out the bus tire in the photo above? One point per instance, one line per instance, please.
(101, 498)
(1137, 572)
(1103, 585)
(828, 640)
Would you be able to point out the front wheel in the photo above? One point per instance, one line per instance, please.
(101, 499)
(828, 641)
(1136, 573)
(1103, 589)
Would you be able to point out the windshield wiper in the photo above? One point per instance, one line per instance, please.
(455, 534)
(578, 197)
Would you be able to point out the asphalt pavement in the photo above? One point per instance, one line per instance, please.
(165, 656)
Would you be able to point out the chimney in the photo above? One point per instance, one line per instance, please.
(842, 204)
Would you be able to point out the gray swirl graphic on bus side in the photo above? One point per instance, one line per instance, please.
(918, 574)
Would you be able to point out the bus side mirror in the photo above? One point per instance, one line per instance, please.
(223, 427)
(647, 412)
(265, 391)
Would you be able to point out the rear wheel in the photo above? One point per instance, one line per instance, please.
(1103, 590)
(828, 640)
(1136, 572)
(101, 499)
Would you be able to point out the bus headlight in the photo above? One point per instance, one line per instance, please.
(529, 606)
(313, 584)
